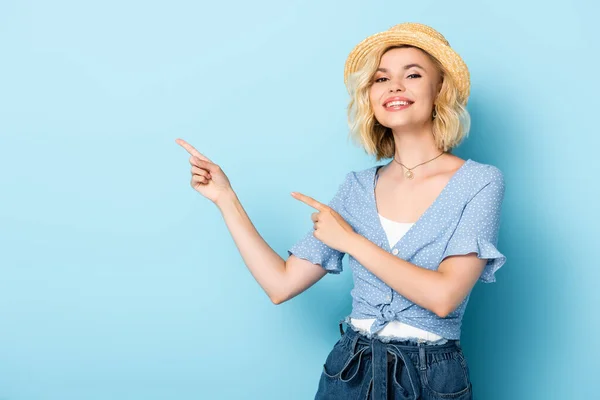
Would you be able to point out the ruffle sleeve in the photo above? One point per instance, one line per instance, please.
(478, 227)
(312, 249)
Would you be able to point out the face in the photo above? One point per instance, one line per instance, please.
(404, 88)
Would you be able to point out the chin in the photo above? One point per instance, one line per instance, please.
(399, 124)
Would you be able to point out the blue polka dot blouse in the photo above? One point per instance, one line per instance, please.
(464, 218)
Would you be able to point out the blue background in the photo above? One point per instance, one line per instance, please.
(118, 281)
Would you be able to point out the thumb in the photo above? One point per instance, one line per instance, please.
(210, 166)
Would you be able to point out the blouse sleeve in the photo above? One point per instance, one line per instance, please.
(477, 229)
(312, 249)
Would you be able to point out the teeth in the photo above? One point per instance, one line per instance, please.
(397, 103)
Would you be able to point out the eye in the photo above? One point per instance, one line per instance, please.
(380, 79)
(417, 75)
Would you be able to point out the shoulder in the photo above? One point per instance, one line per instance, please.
(356, 183)
(486, 179)
(360, 177)
(485, 173)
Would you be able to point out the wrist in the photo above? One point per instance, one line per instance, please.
(226, 199)
(353, 241)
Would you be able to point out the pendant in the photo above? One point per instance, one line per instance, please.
(409, 174)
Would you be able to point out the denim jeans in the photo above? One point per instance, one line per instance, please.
(361, 368)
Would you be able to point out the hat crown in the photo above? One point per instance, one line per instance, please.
(416, 27)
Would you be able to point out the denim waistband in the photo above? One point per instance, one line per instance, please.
(394, 353)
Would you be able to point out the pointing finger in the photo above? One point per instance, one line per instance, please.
(190, 149)
(310, 201)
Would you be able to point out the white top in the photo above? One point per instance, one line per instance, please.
(394, 231)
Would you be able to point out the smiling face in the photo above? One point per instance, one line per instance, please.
(404, 88)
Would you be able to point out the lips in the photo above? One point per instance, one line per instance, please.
(397, 103)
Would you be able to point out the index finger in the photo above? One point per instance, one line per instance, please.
(190, 149)
(310, 201)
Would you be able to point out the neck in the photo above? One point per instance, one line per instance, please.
(415, 146)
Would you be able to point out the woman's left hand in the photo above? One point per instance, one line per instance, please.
(330, 227)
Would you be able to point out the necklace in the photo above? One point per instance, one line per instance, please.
(409, 174)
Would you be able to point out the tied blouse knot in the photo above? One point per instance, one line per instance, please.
(464, 218)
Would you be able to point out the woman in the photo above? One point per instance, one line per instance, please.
(418, 237)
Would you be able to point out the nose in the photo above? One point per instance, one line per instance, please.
(396, 87)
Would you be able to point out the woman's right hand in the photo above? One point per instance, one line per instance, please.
(208, 178)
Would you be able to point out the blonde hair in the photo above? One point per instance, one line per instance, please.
(450, 126)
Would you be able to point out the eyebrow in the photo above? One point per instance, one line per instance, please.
(408, 66)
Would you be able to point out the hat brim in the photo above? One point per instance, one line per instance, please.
(449, 58)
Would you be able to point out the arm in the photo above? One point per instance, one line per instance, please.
(281, 280)
(440, 291)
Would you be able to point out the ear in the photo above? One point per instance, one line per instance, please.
(440, 84)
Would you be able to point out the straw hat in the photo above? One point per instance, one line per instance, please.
(418, 35)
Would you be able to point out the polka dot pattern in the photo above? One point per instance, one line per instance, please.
(464, 218)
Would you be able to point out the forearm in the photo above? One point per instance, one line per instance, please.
(421, 286)
(265, 265)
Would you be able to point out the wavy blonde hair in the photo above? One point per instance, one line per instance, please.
(450, 126)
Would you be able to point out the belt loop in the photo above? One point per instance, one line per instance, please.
(341, 329)
(354, 342)
(422, 358)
